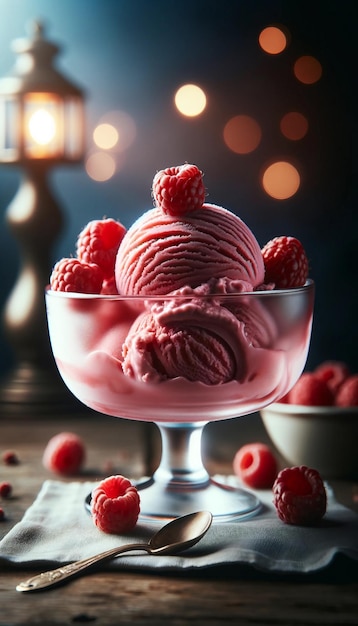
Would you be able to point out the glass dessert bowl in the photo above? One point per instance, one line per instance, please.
(182, 361)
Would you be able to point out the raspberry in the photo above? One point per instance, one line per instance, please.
(74, 276)
(10, 457)
(115, 505)
(2, 514)
(255, 465)
(333, 373)
(285, 399)
(286, 263)
(299, 496)
(179, 190)
(109, 287)
(5, 490)
(98, 243)
(348, 392)
(311, 391)
(64, 454)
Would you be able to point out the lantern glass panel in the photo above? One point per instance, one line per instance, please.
(43, 126)
(10, 125)
(74, 135)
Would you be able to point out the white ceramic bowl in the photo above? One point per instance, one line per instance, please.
(324, 438)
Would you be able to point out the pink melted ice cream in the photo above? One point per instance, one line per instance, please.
(147, 359)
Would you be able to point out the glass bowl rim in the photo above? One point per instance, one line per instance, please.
(308, 286)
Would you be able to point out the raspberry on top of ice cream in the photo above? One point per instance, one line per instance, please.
(184, 242)
(179, 190)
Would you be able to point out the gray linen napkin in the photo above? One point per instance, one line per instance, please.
(57, 529)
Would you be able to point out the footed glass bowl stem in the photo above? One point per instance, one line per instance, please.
(181, 484)
(181, 465)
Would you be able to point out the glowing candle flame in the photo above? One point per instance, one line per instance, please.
(42, 127)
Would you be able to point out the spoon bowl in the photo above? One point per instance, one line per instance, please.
(181, 533)
(178, 535)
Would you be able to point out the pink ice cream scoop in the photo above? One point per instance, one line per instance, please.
(162, 252)
(180, 345)
(196, 338)
(187, 248)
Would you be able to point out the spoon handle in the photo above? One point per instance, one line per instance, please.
(56, 576)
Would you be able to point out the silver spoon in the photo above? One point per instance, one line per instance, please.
(180, 534)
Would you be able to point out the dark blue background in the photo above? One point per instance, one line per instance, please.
(133, 54)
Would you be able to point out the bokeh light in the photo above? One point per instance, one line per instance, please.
(272, 40)
(242, 134)
(281, 180)
(307, 70)
(123, 124)
(105, 136)
(100, 166)
(190, 100)
(294, 125)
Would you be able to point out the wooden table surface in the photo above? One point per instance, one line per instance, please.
(210, 598)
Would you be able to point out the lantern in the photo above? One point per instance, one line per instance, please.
(41, 125)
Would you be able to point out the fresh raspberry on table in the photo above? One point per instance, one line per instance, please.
(5, 490)
(310, 390)
(256, 465)
(348, 392)
(72, 275)
(299, 496)
(64, 454)
(115, 505)
(10, 457)
(98, 243)
(179, 190)
(334, 373)
(286, 263)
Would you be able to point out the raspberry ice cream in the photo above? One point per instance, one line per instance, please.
(161, 253)
(203, 339)
(245, 376)
(193, 321)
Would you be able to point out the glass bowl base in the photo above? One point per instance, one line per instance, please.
(225, 500)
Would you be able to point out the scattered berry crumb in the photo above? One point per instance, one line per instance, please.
(10, 457)
(299, 496)
(5, 490)
(256, 465)
(2, 514)
(64, 454)
(115, 505)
